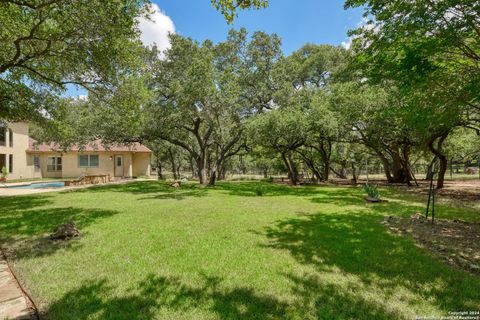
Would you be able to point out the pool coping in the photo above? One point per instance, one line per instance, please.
(22, 184)
(11, 192)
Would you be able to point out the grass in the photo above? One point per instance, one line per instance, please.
(149, 251)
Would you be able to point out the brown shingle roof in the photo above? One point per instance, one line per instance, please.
(94, 146)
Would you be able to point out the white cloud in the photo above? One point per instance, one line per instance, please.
(347, 44)
(156, 28)
(364, 23)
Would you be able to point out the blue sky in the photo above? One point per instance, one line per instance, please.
(297, 22)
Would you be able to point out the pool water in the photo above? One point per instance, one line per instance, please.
(40, 185)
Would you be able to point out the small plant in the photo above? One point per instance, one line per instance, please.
(372, 191)
(259, 191)
(4, 174)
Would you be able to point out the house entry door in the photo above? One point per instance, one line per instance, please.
(119, 166)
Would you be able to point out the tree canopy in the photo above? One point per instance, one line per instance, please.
(406, 92)
(47, 45)
(229, 7)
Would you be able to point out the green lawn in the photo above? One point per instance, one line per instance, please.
(148, 251)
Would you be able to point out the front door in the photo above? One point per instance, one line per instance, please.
(119, 166)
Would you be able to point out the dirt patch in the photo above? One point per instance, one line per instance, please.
(456, 242)
(65, 231)
(462, 195)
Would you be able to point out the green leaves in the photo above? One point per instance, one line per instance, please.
(229, 7)
(431, 49)
(46, 45)
(281, 130)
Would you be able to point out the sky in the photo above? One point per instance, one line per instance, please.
(297, 22)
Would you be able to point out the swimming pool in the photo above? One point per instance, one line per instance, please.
(39, 185)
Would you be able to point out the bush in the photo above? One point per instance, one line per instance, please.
(259, 191)
(4, 174)
(372, 191)
(269, 179)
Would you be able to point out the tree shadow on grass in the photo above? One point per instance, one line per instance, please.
(23, 202)
(153, 190)
(357, 244)
(396, 203)
(157, 293)
(171, 295)
(405, 204)
(162, 190)
(180, 194)
(137, 187)
(249, 189)
(328, 301)
(24, 233)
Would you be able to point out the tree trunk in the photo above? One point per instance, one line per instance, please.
(213, 177)
(354, 173)
(441, 157)
(386, 166)
(159, 166)
(202, 170)
(159, 171)
(326, 152)
(222, 173)
(310, 163)
(214, 172)
(316, 173)
(342, 174)
(202, 175)
(173, 164)
(441, 172)
(179, 175)
(192, 168)
(397, 168)
(292, 169)
(406, 165)
(326, 170)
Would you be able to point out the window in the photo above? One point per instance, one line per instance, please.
(3, 134)
(10, 138)
(94, 161)
(10, 163)
(88, 161)
(54, 164)
(3, 161)
(119, 161)
(36, 163)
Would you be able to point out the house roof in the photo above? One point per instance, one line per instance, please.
(94, 146)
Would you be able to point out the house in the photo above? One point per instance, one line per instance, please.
(24, 158)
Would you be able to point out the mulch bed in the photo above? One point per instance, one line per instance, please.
(456, 242)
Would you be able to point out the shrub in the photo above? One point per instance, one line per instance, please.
(372, 191)
(4, 173)
(259, 191)
(269, 179)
